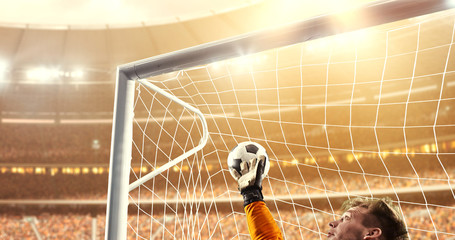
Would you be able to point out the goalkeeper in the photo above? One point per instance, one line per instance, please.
(373, 219)
(261, 224)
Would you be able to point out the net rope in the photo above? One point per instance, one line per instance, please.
(361, 114)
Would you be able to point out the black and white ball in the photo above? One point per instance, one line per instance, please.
(244, 152)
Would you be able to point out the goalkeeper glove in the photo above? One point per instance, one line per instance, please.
(250, 179)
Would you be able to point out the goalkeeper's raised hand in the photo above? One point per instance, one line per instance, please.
(250, 179)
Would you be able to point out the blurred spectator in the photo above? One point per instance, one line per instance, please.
(423, 223)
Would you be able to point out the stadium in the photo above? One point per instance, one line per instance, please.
(115, 128)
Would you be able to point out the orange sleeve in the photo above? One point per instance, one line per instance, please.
(261, 224)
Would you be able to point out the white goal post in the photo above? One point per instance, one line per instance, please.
(129, 75)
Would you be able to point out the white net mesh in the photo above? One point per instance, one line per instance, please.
(368, 113)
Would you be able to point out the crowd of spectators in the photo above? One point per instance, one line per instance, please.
(59, 186)
(52, 143)
(294, 186)
(50, 226)
(81, 144)
(94, 186)
(90, 143)
(423, 222)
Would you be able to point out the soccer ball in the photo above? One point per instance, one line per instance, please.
(244, 152)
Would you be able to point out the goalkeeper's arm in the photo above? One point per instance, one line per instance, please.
(261, 224)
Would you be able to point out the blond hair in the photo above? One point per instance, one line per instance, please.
(390, 221)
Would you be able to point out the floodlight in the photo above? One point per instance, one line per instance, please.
(3, 69)
(77, 74)
(42, 73)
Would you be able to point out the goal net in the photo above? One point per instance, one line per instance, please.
(367, 113)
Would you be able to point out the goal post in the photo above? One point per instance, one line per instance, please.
(130, 75)
(119, 186)
(120, 161)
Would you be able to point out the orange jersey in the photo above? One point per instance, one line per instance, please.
(261, 224)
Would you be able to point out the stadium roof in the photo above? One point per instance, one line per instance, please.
(112, 12)
(94, 36)
(101, 14)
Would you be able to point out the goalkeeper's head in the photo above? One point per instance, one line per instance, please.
(374, 219)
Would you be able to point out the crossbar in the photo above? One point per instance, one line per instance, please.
(363, 16)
